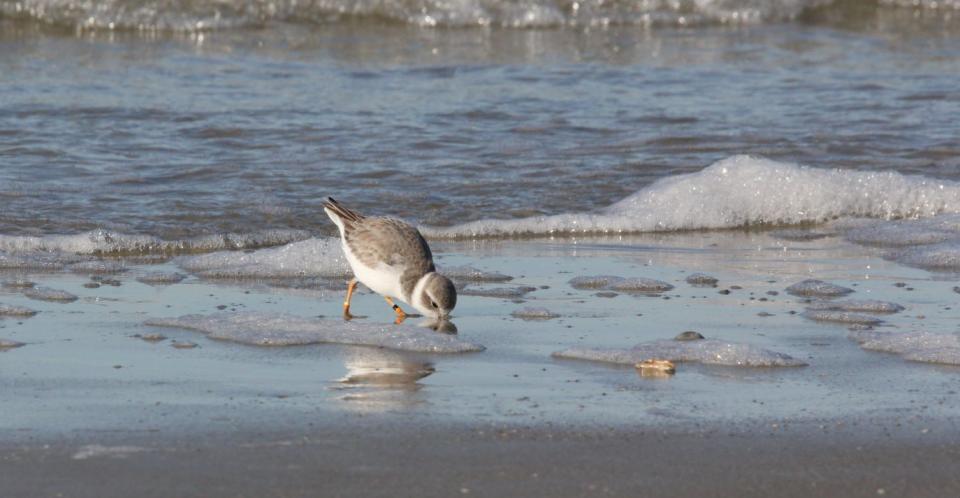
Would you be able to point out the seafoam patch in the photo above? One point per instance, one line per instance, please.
(620, 284)
(701, 279)
(534, 313)
(316, 257)
(271, 329)
(16, 311)
(857, 305)
(47, 294)
(740, 191)
(161, 278)
(513, 292)
(837, 316)
(921, 346)
(471, 274)
(709, 351)
(100, 451)
(817, 288)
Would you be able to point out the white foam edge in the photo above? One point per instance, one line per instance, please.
(707, 351)
(817, 288)
(857, 305)
(534, 313)
(314, 257)
(937, 257)
(102, 241)
(920, 346)
(10, 310)
(42, 293)
(839, 316)
(740, 191)
(272, 329)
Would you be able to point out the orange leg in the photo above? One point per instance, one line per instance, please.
(351, 286)
(401, 316)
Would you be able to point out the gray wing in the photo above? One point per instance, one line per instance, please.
(393, 243)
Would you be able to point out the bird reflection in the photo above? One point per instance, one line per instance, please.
(382, 368)
(378, 380)
(443, 326)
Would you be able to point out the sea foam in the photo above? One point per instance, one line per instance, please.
(621, 284)
(837, 316)
(859, 305)
(740, 191)
(922, 346)
(16, 311)
(114, 243)
(270, 329)
(203, 15)
(534, 313)
(709, 351)
(316, 257)
(817, 288)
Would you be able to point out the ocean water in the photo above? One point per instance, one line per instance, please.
(163, 166)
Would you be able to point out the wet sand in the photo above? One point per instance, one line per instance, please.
(376, 458)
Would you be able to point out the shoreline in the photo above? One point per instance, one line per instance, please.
(370, 458)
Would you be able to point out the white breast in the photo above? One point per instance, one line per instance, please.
(383, 279)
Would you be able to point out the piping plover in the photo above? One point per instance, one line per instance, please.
(391, 258)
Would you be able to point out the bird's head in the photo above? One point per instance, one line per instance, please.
(436, 296)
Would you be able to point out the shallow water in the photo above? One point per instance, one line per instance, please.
(84, 369)
(175, 135)
(793, 141)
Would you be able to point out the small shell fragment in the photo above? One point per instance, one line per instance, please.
(656, 368)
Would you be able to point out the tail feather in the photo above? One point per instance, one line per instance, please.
(345, 215)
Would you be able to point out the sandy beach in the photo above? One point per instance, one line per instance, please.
(358, 457)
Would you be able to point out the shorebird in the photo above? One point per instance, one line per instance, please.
(391, 258)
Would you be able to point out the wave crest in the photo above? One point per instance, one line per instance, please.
(201, 15)
(740, 191)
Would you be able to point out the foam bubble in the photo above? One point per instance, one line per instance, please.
(100, 451)
(899, 234)
(938, 257)
(497, 292)
(736, 192)
(39, 262)
(864, 305)
(268, 329)
(18, 283)
(18, 311)
(701, 279)
(159, 277)
(944, 355)
(471, 274)
(98, 267)
(841, 317)
(709, 351)
(114, 243)
(800, 235)
(312, 257)
(920, 346)
(202, 15)
(530, 313)
(48, 294)
(594, 281)
(640, 284)
(817, 288)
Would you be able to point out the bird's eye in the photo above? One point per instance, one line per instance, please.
(433, 304)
